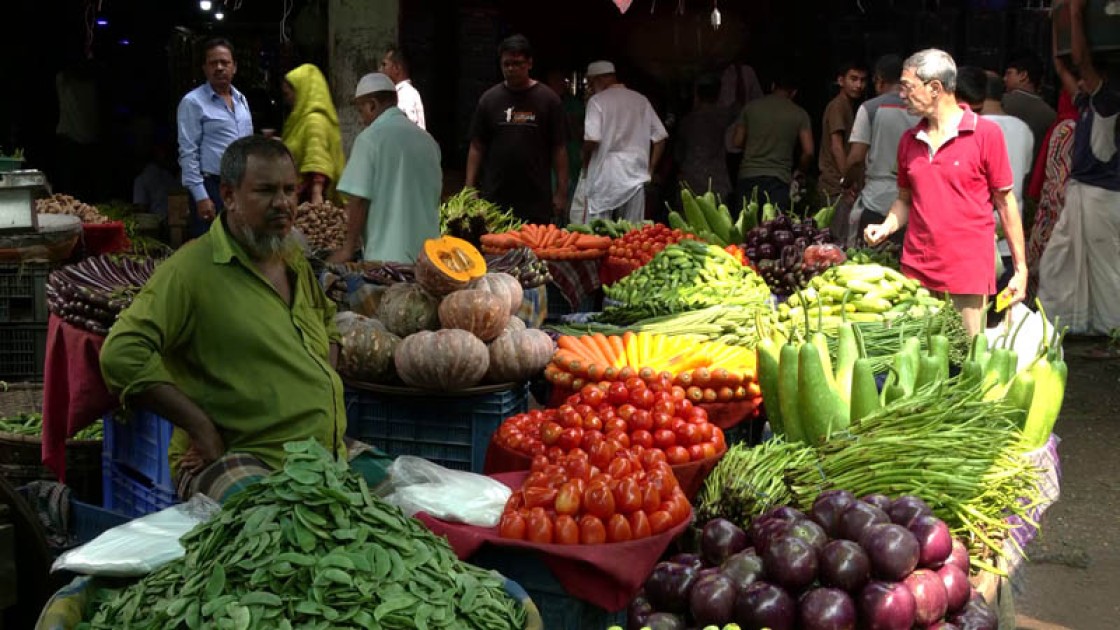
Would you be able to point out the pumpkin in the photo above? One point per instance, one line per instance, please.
(406, 308)
(514, 323)
(444, 360)
(448, 264)
(366, 352)
(504, 286)
(482, 313)
(517, 355)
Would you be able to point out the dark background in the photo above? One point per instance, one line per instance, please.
(147, 55)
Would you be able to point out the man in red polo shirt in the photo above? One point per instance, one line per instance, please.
(952, 168)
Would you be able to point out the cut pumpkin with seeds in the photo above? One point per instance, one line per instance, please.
(447, 264)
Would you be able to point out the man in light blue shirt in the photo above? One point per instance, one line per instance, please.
(393, 180)
(210, 118)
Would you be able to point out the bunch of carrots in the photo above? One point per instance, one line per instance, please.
(709, 371)
(548, 242)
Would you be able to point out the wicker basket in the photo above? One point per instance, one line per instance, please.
(21, 459)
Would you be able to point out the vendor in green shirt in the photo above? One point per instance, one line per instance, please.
(393, 180)
(232, 339)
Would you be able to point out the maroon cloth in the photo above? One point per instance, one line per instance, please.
(607, 575)
(576, 279)
(690, 476)
(104, 238)
(74, 395)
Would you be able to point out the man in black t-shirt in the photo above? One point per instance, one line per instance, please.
(518, 136)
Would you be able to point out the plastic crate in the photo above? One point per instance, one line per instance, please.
(138, 441)
(23, 349)
(558, 609)
(89, 521)
(127, 493)
(452, 431)
(23, 292)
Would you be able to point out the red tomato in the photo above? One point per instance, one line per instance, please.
(698, 412)
(641, 419)
(634, 383)
(617, 393)
(663, 439)
(598, 500)
(664, 404)
(706, 431)
(641, 438)
(618, 529)
(677, 425)
(592, 395)
(573, 400)
(570, 419)
(579, 469)
(662, 420)
(641, 398)
(677, 455)
(565, 530)
(554, 453)
(709, 450)
(512, 525)
(584, 410)
(568, 499)
(639, 525)
(602, 453)
(615, 424)
(651, 498)
(536, 496)
(660, 522)
(577, 453)
(682, 408)
(592, 531)
(689, 435)
(626, 411)
(695, 452)
(590, 439)
(550, 433)
(651, 457)
(515, 502)
(570, 438)
(536, 448)
(619, 437)
(619, 467)
(537, 479)
(539, 463)
(678, 393)
(592, 422)
(718, 438)
(539, 528)
(628, 496)
(677, 507)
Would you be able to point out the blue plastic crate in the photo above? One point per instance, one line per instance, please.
(452, 431)
(559, 610)
(138, 441)
(89, 521)
(128, 493)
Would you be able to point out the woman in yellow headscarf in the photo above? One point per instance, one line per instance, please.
(311, 133)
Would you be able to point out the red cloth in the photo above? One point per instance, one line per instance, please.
(74, 395)
(1066, 111)
(104, 238)
(607, 575)
(690, 476)
(950, 239)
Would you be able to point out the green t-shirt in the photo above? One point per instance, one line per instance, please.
(395, 166)
(773, 124)
(209, 323)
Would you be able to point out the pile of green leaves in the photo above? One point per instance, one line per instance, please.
(310, 547)
(31, 424)
(468, 216)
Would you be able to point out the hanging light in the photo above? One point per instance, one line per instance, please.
(717, 18)
(102, 22)
(204, 5)
(219, 15)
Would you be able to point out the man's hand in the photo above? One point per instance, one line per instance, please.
(206, 210)
(876, 233)
(206, 448)
(560, 202)
(1017, 287)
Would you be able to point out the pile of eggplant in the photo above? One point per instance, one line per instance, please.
(523, 264)
(777, 247)
(92, 293)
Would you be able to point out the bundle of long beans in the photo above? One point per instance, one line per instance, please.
(960, 453)
(884, 339)
(749, 481)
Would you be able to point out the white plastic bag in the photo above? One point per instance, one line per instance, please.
(418, 485)
(1028, 338)
(140, 546)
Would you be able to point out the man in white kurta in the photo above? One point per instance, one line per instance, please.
(623, 142)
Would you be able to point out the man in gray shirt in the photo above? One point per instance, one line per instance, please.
(879, 125)
(1021, 100)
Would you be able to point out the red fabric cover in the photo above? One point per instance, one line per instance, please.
(74, 395)
(690, 476)
(104, 238)
(607, 575)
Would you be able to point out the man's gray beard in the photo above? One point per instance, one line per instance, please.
(268, 246)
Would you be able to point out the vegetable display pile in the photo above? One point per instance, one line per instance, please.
(709, 371)
(683, 277)
(548, 242)
(523, 264)
(788, 253)
(886, 254)
(731, 325)
(596, 499)
(867, 563)
(310, 547)
(707, 219)
(323, 225)
(609, 227)
(858, 293)
(637, 247)
(59, 203)
(467, 216)
(605, 422)
(31, 425)
(92, 293)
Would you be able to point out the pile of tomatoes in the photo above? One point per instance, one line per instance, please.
(637, 247)
(584, 498)
(626, 414)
